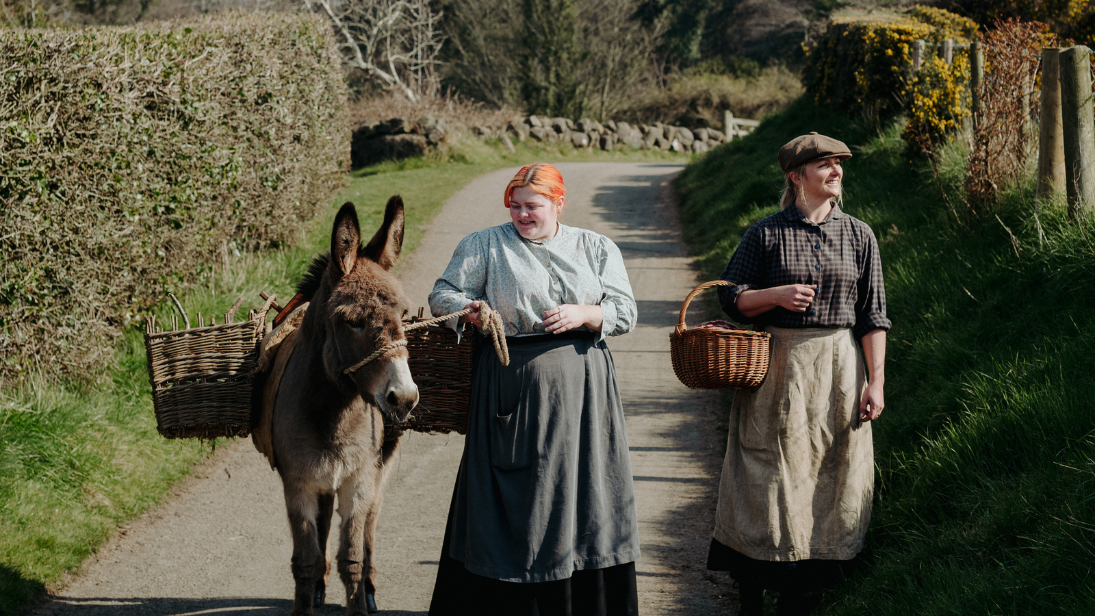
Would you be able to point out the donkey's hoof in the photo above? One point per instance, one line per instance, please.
(370, 603)
(321, 594)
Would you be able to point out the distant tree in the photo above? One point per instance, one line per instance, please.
(552, 59)
(482, 60)
(683, 24)
(621, 53)
(396, 42)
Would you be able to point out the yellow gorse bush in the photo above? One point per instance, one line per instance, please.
(945, 25)
(864, 64)
(939, 101)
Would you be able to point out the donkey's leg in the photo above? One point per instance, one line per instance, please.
(352, 498)
(387, 451)
(323, 530)
(369, 583)
(307, 562)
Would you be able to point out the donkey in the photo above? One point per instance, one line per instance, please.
(328, 422)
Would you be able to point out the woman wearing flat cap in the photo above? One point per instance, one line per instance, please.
(798, 479)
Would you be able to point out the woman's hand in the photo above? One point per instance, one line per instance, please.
(480, 314)
(793, 297)
(566, 317)
(874, 355)
(872, 402)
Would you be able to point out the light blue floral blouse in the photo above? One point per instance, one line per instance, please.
(522, 278)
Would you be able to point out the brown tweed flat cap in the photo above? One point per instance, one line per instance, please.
(806, 148)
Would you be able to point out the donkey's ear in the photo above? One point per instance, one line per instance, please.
(345, 239)
(385, 246)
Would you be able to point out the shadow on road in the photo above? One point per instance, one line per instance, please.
(166, 606)
(676, 448)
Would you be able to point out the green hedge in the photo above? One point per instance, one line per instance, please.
(132, 159)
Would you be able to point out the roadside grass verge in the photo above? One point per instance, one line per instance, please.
(77, 461)
(986, 452)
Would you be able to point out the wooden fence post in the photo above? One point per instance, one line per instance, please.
(977, 74)
(1078, 126)
(1051, 137)
(728, 123)
(918, 55)
(948, 51)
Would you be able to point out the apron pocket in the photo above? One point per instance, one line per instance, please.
(509, 440)
(753, 422)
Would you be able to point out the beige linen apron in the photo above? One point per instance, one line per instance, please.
(798, 477)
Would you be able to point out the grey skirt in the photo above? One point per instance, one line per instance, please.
(545, 484)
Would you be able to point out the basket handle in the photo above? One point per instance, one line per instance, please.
(232, 311)
(688, 300)
(186, 319)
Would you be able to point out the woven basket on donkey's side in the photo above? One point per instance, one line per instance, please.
(717, 358)
(202, 377)
(441, 367)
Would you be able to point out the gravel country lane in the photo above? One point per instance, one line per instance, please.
(221, 544)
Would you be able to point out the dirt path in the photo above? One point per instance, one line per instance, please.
(222, 544)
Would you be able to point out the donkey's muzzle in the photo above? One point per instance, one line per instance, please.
(399, 395)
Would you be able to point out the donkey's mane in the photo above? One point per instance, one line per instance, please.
(314, 276)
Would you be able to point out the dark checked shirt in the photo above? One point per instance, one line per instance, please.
(839, 255)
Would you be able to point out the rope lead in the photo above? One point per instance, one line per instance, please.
(493, 326)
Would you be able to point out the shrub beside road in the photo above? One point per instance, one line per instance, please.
(134, 157)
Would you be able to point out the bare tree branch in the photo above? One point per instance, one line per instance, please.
(401, 34)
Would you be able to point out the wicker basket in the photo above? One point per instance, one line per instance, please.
(718, 358)
(202, 377)
(442, 370)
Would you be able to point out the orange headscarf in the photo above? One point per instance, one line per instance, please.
(542, 178)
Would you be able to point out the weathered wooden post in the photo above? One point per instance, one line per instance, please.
(1078, 126)
(918, 55)
(977, 75)
(728, 123)
(948, 51)
(1051, 137)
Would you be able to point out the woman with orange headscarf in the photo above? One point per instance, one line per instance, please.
(543, 516)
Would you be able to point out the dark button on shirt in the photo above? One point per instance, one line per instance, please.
(776, 251)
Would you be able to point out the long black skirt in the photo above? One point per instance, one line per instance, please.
(800, 575)
(590, 592)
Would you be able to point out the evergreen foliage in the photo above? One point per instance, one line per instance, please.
(552, 58)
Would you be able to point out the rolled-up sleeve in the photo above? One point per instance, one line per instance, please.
(464, 280)
(618, 303)
(745, 269)
(870, 306)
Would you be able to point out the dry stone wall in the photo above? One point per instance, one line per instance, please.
(611, 135)
(397, 138)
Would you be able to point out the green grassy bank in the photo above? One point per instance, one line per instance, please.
(78, 461)
(986, 450)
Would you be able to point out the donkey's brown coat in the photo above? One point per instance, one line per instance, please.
(328, 427)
